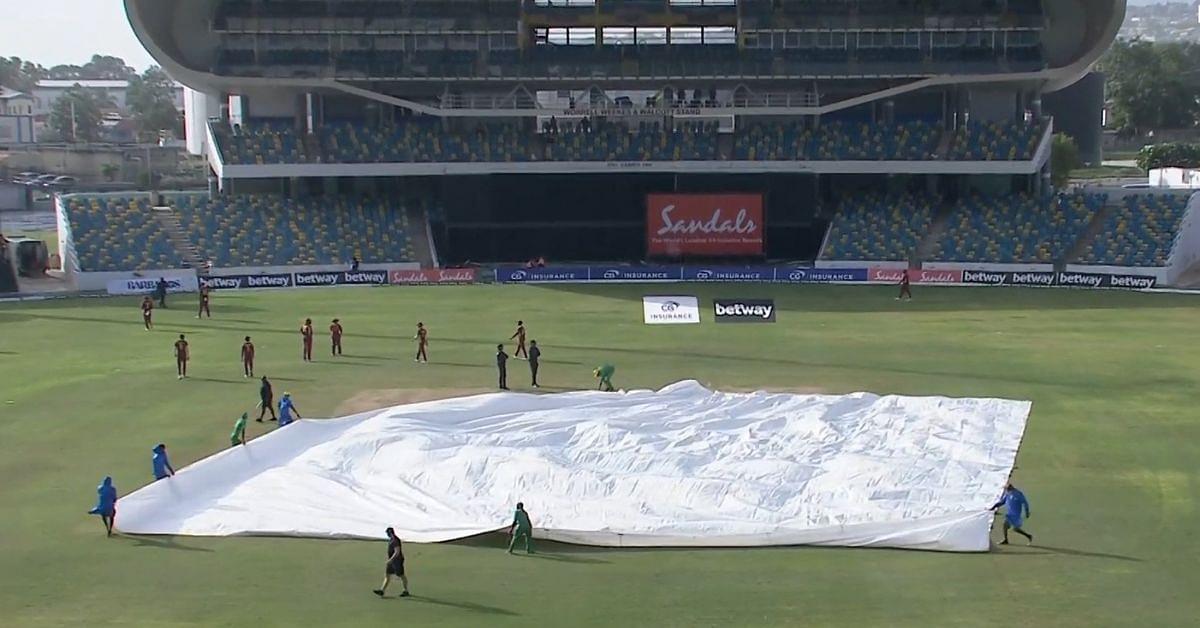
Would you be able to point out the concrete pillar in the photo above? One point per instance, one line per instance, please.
(198, 108)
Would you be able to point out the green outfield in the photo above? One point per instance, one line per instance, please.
(1109, 459)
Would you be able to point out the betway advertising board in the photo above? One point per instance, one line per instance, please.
(1059, 279)
(651, 274)
(710, 225)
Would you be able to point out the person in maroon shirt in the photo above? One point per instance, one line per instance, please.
(335, 337)
(422, 339)
(247, 358)
(307, 333)
(148, 313)
(905, 291)
(181, 356)
(204, 304)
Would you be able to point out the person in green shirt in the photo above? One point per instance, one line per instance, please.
(521, 528)
(605, 374)
(238, 437)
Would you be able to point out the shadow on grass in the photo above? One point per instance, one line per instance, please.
(161, 542)
(466, 606)
(1034, 550)
(216, 380)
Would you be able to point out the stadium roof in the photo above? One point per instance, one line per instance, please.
(90, 83)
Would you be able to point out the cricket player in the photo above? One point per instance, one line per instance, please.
(394, 566)
(1015, 504)
(905, 289)
(604, 374)
(306, 332)
(182, 354)
(521, 528)
(335, 337)
(106, 504)
(422, 339)
(204, 303)
(247, 358)
(520, 352)
(148, 313)
(238, 437)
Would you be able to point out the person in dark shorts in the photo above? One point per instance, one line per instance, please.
(160, 292)
(395, 565)
(502, 366)
(266, 400)
(148, 313)
(204, 296)
(182, 355)
(535, 354)
(905, 286)
(247, 358)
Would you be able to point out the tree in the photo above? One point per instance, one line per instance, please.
(151, 100)
(100, 67)
(77, 115)
(110, 172)
(1064, 157)
(1152, 85)
(21, 75)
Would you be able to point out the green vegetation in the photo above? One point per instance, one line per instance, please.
(1108, 460)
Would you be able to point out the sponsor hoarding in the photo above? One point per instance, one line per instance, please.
(636, 273)
(680, 310)
(648, 274)
(711, 225)
(345, 278)
(892, 275)
(434, 276)
(820, 275)
(744, 310)
(548, 274)
(733, 274)
(238, 282)
(146, 285)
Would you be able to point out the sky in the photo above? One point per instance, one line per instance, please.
(59, 32)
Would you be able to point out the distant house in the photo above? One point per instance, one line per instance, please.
(16, 117)
(47, 91)
(14, 103)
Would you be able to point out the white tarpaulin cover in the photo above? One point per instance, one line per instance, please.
(683, 466)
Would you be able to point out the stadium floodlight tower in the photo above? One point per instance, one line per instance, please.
(697, 86)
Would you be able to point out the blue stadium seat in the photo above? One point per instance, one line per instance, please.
(1140, 232)
(276, 231)
(118, 233)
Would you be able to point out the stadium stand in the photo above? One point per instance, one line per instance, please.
(1140, 232)
(1015, 229)
(878, 227)
(997, 141)
(424, 139)
(118, 233)
(276, 231)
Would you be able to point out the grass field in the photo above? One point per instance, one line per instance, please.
(1109, 458)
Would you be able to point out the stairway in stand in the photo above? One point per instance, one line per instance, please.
(418, 235)
(1086, 237)
(183, 245)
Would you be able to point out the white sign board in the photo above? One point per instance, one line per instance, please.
(146, 285)
(671, 310)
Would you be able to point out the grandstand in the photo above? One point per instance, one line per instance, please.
(871, 130)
